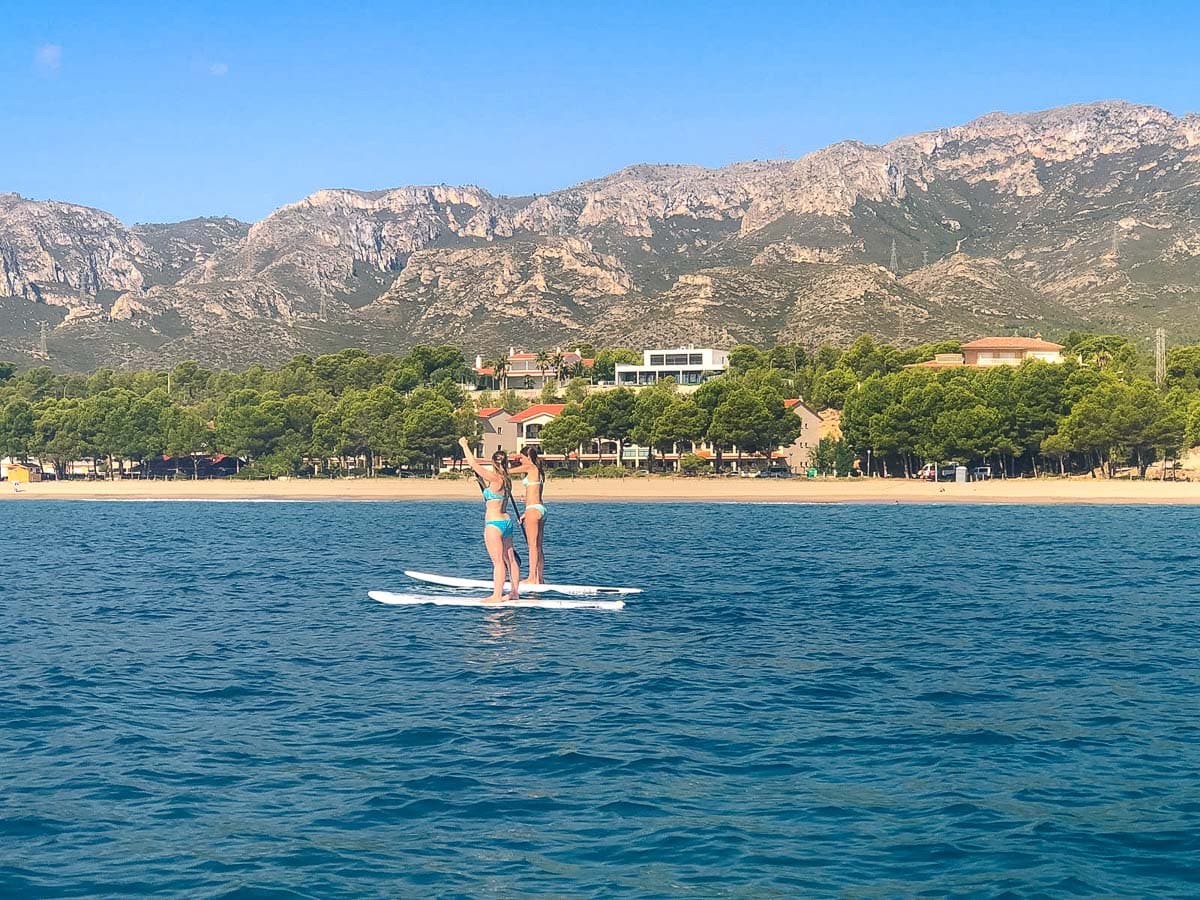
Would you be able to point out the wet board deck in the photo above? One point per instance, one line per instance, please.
(525, 602)
(571, 590)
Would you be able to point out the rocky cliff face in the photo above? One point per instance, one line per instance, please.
(1085, 215)
(66, 255)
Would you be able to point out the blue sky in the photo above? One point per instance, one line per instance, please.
(163, 111)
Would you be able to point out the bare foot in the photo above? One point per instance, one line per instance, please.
(493, 599)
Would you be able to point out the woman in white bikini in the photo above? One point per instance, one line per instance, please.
(534, 517)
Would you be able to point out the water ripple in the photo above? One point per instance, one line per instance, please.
(815, 700)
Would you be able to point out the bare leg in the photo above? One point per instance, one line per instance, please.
(533, 537)
(531, 525)
(514, 570)
(535, 527)
(494, 541)
(541, 567)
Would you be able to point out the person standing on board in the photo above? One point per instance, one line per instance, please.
(497, 526)
(534, 517)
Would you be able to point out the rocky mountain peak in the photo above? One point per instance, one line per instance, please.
(1048, 218)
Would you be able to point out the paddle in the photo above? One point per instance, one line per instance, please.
(517, 525)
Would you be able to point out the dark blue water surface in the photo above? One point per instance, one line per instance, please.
(200, 699)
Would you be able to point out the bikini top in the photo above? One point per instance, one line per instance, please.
(525, 481)
(489, 494)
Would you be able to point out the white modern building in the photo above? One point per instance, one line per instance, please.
(687, 365)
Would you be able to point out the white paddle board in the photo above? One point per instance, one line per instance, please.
(571, 590)
(530, 602)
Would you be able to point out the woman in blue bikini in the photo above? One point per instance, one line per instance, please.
(497, 526)
(534, 517)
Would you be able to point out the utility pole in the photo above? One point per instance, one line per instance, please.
(895, 265)
(1116, 249)
(1160, 356)
(42, 351)
(924, 257)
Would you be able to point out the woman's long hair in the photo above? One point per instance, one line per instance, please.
(500, 464)
(535, 457)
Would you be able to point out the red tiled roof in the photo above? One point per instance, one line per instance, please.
(796, 401)
(486, 412)
(485, 370)
(540, 409)
(522, 356)
(1011, 343)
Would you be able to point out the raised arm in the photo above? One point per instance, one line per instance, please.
(520, 465)
(473, 461)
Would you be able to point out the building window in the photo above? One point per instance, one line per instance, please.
(695, 359)
(656, 359)
(677, 359)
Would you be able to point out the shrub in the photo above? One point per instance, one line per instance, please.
(605, 472)
(693, 464)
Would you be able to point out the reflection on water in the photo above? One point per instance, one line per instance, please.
(500, 624)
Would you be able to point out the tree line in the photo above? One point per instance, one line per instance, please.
(353, 411)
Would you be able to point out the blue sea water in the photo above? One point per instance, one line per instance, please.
(199, 699)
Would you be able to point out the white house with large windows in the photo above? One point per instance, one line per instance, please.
(687, 365)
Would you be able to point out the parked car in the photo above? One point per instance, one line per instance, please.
(981, 473)
(944, 473)
(774, 472)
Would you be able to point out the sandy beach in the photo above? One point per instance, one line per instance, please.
(656, 488)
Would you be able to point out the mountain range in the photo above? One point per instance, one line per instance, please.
(1081, 217)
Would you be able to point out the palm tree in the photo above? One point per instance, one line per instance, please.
(560, 366)
(543, 361)
(499, 368)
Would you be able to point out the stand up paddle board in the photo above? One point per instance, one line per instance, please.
(571, 590)
(530, 602)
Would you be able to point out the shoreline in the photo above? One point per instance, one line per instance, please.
(660, 489)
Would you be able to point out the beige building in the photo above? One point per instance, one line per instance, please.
(995, 351)
(1010, 351)
(499, 432)
(530, 371)
(799, 453)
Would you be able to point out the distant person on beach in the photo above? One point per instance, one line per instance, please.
(497, 526)
(534, 518)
